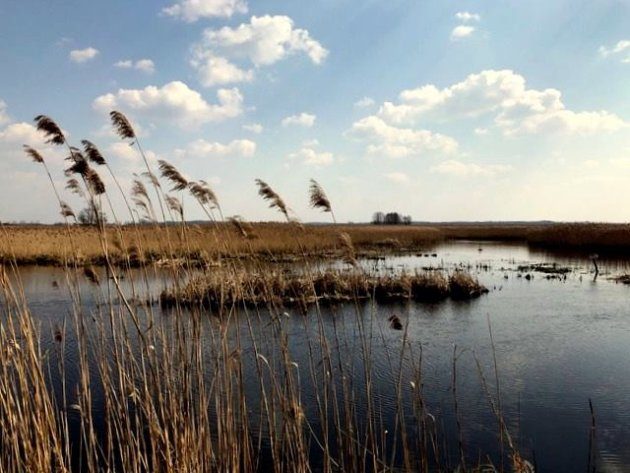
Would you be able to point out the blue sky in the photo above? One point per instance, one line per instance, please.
(445, 110)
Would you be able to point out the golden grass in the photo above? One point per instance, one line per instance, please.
(51, 245)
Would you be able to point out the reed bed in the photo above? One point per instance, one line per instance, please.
(121, 386)
(49, 245)
(218, 290)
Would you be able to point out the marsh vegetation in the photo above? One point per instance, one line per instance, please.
(258, 357)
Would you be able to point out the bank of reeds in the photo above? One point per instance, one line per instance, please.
(218, 290)
(49, 245)
(118, 386)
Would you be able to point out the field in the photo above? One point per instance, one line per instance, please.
(51, 245)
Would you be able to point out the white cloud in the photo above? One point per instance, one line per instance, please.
(254, 128)
(83, 55)
(126, 64)
(4, 116)
(206, 149)
(192, 10)
(303, 119)
(364, 102)
(14, 135)
(394, 142)
(397, 177)
(504, 94)
(21, 133)
(175, 102)
(460, 169)
(467, 16)
(216, 70)
(123, 151)
(144, 65)
(621, 49)
(462, 31)
(481, 131)
(312, 143)
(310, 157)
(264, 40)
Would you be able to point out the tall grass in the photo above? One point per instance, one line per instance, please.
(151, 392)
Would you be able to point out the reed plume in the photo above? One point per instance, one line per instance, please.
(34, 154)
(171, 173)
(275, 201)
(243, 227)
(50, 129)
(349, 253)
(153, 180)
(122, 125)
(92, 152)
(175, 205)
(79, 165)
(201, 191)
(94, 181)
(66, 210)
(318, 197)
(73, 186)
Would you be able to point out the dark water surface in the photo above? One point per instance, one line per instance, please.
(558, 343)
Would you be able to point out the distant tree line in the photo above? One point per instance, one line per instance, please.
(390, 218)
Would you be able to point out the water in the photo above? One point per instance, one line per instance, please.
(558, 343)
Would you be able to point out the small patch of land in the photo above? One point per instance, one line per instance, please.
(202, 242)
(219, 290)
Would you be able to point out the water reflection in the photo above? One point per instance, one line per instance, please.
(558, 343)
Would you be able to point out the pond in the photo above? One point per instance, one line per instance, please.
(560, 337)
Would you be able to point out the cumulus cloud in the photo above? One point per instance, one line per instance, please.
(467, 17)
(303, 119)
(503, 94)
(397, 177)
(21, 133)
(192, 10)
(206, 149)
(621, 50)
(123, 151)
(264, 40)
(215, 70)
(174, 102)
(460, 169)
(83, 55)
(311, 157)
(395, 142)
(14, 135)
(4, 116)
(462, 31)
(144, 65)
(254, 128)
(364, 102)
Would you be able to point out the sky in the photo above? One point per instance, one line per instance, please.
(443, 110)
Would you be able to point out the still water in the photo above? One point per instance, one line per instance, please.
(559, 341)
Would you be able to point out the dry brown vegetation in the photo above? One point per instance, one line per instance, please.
(219, 289)
(50, 244)
(47, 244)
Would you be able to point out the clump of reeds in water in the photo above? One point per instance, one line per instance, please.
(221, 290)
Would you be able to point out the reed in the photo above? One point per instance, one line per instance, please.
(125, 387)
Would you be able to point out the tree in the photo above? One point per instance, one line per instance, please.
(393, 218)
(378, 218)
(91, 215)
